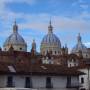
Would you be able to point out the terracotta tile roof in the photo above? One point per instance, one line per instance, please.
(37, 69)
(22, 63)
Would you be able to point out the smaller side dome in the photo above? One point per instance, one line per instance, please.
(80, 47)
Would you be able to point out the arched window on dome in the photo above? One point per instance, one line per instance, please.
(55, 52)
(20, 48)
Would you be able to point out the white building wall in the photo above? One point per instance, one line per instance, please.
(75, 81)
(19, 81)
(2, 81)
(72, 63)
(39, 81)
(86, 77)
(58, 82)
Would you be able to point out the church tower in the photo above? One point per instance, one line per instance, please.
(33, 49)
(80, 47)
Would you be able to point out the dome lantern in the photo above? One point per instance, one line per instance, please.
(79, 38)
(15, 27)
(50, 28)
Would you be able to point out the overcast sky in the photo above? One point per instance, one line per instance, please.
(69, 17)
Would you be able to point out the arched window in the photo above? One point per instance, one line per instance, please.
(55, 52)
(48, 82)
(28, 82)
(20, 48)
(10, 81)
(82, 80)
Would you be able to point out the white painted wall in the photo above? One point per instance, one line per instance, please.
(59, 82)
(72, 63)
(38, 81)
(86, 78)
(35, 89)
(2, 81)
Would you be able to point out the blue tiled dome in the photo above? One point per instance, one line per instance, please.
(50, 39)
(14, 39)
(50, 43)
(79, 46)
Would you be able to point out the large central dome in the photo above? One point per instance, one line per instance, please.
(15, 40)
(50, 43)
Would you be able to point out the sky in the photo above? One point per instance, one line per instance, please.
(69, 17)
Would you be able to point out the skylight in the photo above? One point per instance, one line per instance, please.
(11, 69)
(43, 67)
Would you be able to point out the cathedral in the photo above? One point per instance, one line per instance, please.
(51, 68)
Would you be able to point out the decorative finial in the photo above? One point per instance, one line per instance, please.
(15, 27)
(50, 28)
(66, 49)
(34, 45)
(50, 22)
(79, 38)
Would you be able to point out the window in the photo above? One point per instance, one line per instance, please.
(10, 81)
(20, 48)
(70, 65)
(82, 89)
(75, 64)
(28, 82)
(51, 52)
(82, 80)
(55, 52)
(48, 82)
(68, 81)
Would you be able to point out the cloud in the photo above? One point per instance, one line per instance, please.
(18, 1)
(58, 22)
(87, 44)
(82, 4)
(39, 22)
